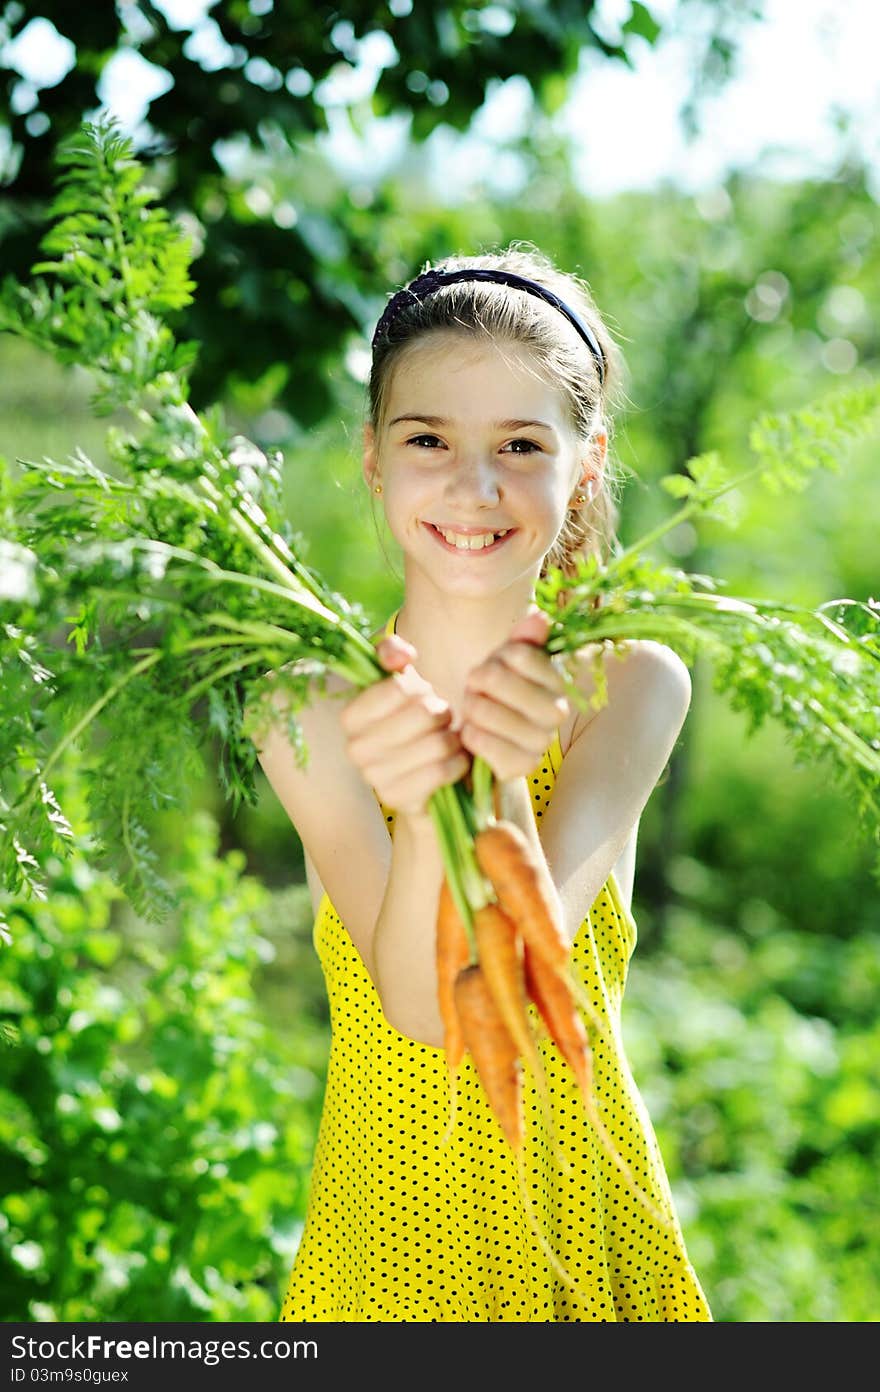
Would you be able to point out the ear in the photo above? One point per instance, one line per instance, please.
(370, 452)
(593, 462)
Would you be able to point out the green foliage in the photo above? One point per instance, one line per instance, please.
(155, 1133)
(793, 446)
(120, 265)
(283, 291)
(756, 1050)
(103, 560)
(816, 673)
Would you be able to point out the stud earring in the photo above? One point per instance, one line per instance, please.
(585, 497)
(378, 488)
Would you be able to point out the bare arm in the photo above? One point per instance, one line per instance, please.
(404, 937)
(609, 773)
(335, 814)
(390, 741)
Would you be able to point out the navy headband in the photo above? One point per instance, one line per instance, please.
(430, 281)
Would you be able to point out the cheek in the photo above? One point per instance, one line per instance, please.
(403, 497)
(546, 501)
(404, 506)
(564, 490)
(412, 495)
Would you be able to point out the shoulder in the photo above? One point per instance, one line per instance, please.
(640, 673)
(616, 757)
(318, 719)
(659, 665)
(320, 715)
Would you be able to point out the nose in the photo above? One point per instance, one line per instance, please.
(473, 482)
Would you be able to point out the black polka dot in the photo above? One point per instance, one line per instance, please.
(411, 1219)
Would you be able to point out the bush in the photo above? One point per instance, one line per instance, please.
(757, 1049)
(155, 1132)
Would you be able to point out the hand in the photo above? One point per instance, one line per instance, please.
(514, 701)
(399, 736)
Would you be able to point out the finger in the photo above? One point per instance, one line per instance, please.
(375, 702)
(503, 757)
(533, 662)
(406, 724)
(384, 697)
(414, 790)
(532, 628)
(395, 652)
(408, 771)
(542, 699)
(536, 710)
(488, 717)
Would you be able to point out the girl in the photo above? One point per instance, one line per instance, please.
(487, 438)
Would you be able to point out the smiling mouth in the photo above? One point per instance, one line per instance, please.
(470, 550)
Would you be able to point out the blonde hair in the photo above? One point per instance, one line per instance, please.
(501, 312)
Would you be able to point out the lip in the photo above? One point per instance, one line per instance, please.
(469, 531)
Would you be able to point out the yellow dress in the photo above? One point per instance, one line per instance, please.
(400, 1227)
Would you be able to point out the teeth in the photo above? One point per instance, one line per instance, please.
(472, 543)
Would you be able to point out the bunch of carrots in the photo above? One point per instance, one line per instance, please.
(497, 951)
(516, 952)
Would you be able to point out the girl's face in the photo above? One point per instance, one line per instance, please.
(474, 442)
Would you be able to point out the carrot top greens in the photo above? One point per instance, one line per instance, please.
(144, 607)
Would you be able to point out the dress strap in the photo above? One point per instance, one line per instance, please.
(554, 754)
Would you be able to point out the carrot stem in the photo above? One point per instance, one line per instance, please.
(477, 887)
(483, 802)
(452, 855)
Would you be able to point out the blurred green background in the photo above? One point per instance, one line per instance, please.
(160, 1089)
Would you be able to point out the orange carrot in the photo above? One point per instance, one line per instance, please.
(498, 1067)
(508, 860)
(506, 857)
(493, 1050)
(554, 996)
(453, 953)
(500, 954)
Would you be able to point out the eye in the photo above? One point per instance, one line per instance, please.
(532, 446)
(415, 440)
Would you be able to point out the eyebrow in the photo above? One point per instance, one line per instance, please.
(499, 425)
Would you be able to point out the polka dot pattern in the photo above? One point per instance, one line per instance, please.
(405, 1223)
